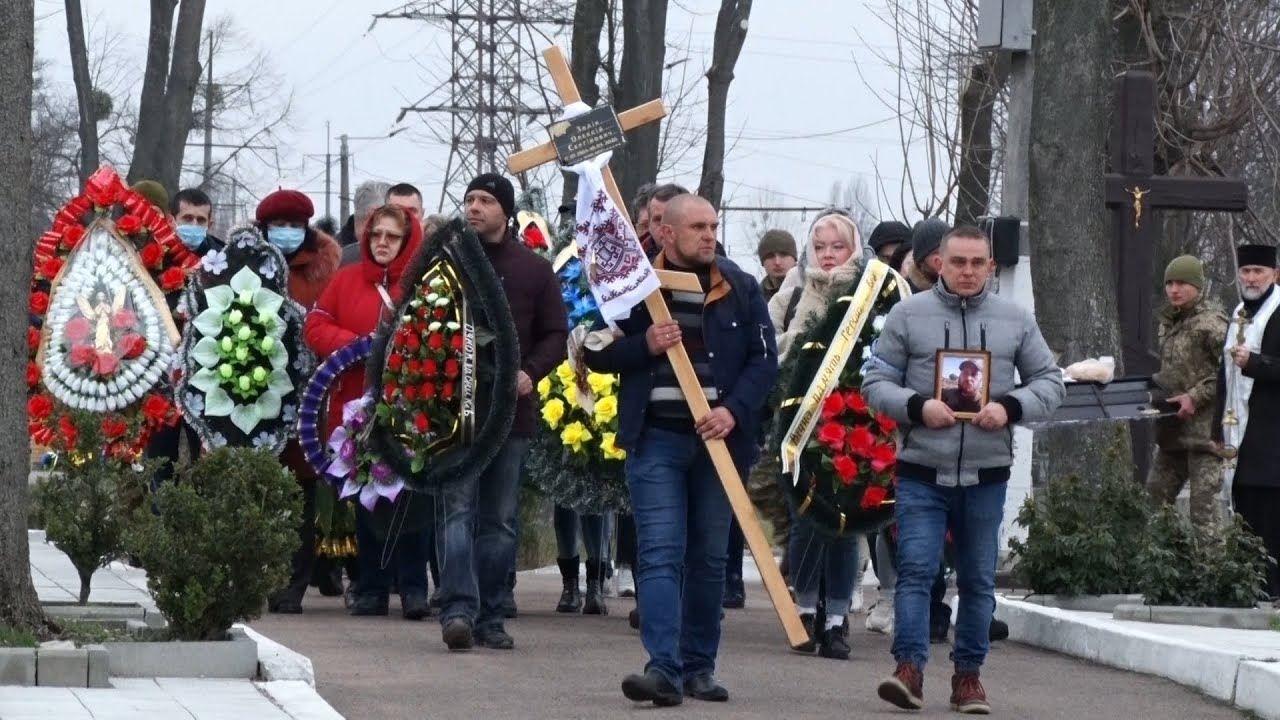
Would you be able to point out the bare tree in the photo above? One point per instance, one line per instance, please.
(644, 29)
(1075, 303)
(731, 33)
(855, 198)
(85, 96)
(19, 605)
(168, 88)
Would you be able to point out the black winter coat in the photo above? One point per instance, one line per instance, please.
(1259, 462)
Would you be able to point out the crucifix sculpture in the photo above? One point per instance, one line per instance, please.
(1133, 193)
(649, 112)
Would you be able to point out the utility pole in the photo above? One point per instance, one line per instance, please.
(207, 176)
(328, 173)
(344, 180)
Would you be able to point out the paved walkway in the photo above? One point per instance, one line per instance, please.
(570, 667)
(145, 699)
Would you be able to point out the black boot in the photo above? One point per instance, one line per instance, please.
(570, 597)
(735, 593)
(594, 602)
(834, 644)
(807, 620)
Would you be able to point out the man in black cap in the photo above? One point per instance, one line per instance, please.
(926, 239)
(887, 238)
(479, 535)
(1250, 395)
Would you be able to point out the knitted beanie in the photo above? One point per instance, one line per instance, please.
(153, 192)
(776, 242)
(926, 238)
(1187, 269)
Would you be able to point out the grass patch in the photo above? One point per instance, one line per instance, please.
(88, 632)
(14, 637)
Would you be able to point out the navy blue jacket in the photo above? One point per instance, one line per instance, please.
(741, 348)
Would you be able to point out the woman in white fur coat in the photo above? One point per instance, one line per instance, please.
(831, 261)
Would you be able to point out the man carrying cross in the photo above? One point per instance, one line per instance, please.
(681, 511)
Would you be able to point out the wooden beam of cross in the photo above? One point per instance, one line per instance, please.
(689, 385)
(1134, 193)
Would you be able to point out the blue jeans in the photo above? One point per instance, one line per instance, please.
(594, 534)
(405, 555)
(478, 539)
(682, 529)
(924, 511)
(816, 557)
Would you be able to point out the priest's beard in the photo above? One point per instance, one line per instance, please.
(1252, 294)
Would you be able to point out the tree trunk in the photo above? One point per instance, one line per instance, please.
(644, 49)
(147, 140)
(731, 33)
(1070, 235)
(184, 75)
(84, 92)
(977, 105)
(19, 605)
(584, 62)
(86, 581)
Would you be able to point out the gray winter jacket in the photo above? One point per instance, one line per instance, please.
(899, 377)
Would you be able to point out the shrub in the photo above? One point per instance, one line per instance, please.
(1083, 538)
(84, 502)
(221, 541)
(1183, 564)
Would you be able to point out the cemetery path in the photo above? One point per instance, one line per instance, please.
(570, 667)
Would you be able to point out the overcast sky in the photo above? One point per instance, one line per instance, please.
(801, 109)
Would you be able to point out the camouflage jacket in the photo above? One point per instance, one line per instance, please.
(1190, 351)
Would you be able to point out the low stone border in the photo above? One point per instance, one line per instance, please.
(55, 666)
(299, 699)
(1083, 603)
(277, 662)
(104, 612)
(1249, 682)
(1235, 618)
(234, 658)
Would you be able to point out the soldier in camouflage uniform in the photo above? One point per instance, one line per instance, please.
(1192, 331)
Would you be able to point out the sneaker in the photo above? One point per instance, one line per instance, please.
(456, 634)
(880, 619)
(625, 581)
(905, 688)
(967, 695)
(494, 639)
(859, 602)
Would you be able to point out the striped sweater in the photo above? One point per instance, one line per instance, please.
(668, 409)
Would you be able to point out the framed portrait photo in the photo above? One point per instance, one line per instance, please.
(963, 381)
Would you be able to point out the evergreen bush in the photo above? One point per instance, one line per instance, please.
(220, 542)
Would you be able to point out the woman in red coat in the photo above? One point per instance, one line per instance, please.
(351, 306)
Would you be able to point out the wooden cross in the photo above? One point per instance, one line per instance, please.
(689, 385)
(1133, 193)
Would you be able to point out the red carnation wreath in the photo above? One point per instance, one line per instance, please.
(165, 259)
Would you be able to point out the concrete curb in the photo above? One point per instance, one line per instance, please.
(1234, 618)
(298, 699)
(1083, 603)
(1095, 637)
(278, 663)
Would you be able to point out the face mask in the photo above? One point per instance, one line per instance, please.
(192, 235)
(287, 239)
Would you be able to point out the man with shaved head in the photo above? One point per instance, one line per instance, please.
(681, 512)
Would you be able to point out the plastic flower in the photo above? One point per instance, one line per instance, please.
(831, 434)
(553, 412)
(606, 409)
(862, 441)
(832, 406)
(883, 456)
(601, 383)
(846, 468)
(610, 449)
(544, 388)
(574, 435)
(873, 497)
(570, 393)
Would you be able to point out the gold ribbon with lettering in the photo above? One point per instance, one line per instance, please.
(840, 348)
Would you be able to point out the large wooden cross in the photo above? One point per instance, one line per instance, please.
(1134, 193)
(689, 385)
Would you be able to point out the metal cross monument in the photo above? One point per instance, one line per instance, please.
(649, 112)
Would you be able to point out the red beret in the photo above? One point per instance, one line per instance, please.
(288, 205)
